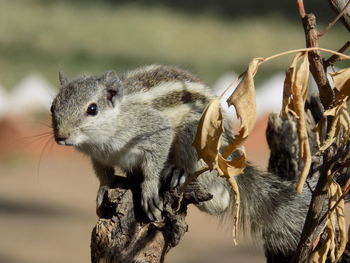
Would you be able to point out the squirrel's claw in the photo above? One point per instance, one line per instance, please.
(153, 208)
(151, 203)
(178, 178)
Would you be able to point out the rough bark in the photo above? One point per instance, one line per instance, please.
(317, 69)
(124, 235)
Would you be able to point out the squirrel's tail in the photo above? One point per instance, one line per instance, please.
(270, 206)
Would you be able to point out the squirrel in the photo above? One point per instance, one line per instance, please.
(146, 121)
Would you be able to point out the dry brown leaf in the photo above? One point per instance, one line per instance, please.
(288, 86)
(331, 135)
(332, 197)
(319, 132)
(210, 128)
(208, 138)
(239, 139)
(341, 81)
(299, 90)
(328, 247)
(341, 222)
(231, 167)
(236, 206)
(207, 144)
(335, 218)
(294, 95)
(345, 123)
(243, 99)
(341, 121)
(302, 80)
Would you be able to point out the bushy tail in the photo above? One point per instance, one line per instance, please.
(272, 207)
(269, 206)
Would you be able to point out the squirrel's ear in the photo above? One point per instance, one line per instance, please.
(113, 85)
(63, 78)
(110, 76)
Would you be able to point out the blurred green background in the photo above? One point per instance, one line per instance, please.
(206, 37)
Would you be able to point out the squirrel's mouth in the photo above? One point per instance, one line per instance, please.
(64, 141)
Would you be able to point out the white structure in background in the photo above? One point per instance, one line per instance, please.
(31, 94)
(224, 81)
(268, 94)
(220, 86)
(34, 93)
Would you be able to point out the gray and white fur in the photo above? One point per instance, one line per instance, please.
(146, 121)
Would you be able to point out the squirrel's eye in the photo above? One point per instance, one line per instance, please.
(92, 109)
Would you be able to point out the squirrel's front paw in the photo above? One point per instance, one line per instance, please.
(178, 176)
(151, 202)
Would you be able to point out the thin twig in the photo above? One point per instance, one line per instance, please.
(309, 186)
(337, 6)
(334, 58)
(334, 21)
(305, 50)
(301, 8)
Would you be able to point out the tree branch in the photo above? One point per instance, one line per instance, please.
(319, 195)
(338, 6)
(123, 233)
(334, 58)
(316, 64)
(340, 15)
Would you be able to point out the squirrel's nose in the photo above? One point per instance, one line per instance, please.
(61, 135)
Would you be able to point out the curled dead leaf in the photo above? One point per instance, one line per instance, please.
(340, 123)
(208, 138)
(341, 223)
(341, 81)
(334, 245)
(294, 95)
(209, 131)
(243, 99)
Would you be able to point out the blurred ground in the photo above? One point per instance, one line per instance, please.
(49, 218)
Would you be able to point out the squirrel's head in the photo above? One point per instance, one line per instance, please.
(84, 108)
